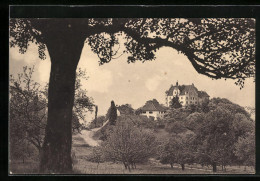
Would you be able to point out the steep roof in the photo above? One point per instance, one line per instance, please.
(202, 94)
(187, 88)
(182, 88)
(153, 105)
(170, 91)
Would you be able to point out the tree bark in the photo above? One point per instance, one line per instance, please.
(64, 49)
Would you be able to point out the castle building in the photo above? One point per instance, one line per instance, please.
(188, 94)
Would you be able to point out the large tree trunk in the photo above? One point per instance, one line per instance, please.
(64, 48)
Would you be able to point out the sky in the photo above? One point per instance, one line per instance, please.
(135, 83)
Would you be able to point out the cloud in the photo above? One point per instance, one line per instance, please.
(153, 83)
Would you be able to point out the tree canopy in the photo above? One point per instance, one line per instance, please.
(217, 48)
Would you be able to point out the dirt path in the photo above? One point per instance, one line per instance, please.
(87, 135)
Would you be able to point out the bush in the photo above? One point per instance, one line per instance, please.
(129, 144)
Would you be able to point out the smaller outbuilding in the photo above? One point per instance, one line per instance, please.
(153, 108)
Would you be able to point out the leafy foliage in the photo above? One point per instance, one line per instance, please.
(177, 150)
(28, 112)
(175, 103)
(129, 144)
(96, 155)
(215, 134)
(98, 122)
(126, 109)
(217, 48)
(244, 149)
(82, 102)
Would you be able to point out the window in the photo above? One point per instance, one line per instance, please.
(190, 101)
(150, 112)
(186, 102)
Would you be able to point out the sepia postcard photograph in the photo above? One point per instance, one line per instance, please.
(132, 96)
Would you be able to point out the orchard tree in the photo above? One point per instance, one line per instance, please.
(217, 48)
(216, 138)
(245, 149)
(129, 144)
(96, 156)
(165, 152)
(177, 149)
(28, 108)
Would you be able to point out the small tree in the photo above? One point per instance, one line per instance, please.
(138, 111)
(126, 109)
(95, 123)
(175, 103)
(27, 112)
(129, 144)
(96, 155)
(245, 149)
(166, 151)
(177, 150)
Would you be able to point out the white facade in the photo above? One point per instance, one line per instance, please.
(155, 114)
